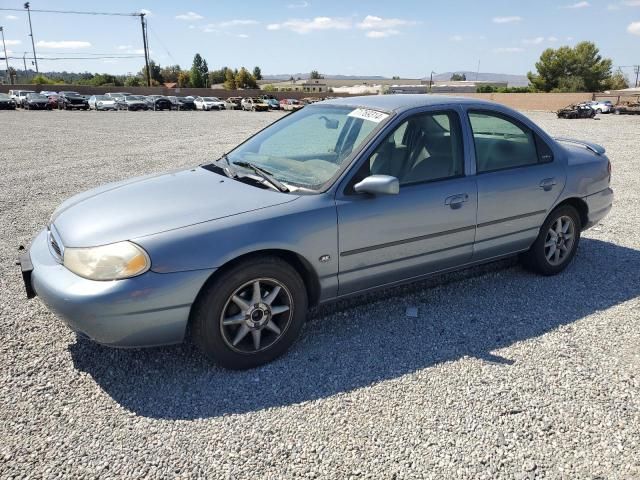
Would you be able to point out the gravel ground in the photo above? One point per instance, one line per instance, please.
(503, 374)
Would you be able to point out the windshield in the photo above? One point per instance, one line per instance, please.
(135, 97)
(210, 99)
(308, 148)
(37, 96)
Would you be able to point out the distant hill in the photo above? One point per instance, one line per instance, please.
(514, 80)
(305, 76)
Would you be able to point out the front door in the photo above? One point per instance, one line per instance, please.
(428, 226)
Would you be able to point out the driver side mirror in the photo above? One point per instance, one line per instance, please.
(378, 185)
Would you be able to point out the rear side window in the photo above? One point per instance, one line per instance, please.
(503, 143)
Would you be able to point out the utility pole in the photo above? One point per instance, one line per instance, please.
(637, 71)
(24, 60)
(431, 81)
(33, 43)
(143, 23)
(5, 56)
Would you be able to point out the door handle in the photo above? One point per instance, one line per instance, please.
(456, 201)
(547, 184)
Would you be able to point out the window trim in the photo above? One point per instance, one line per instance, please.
(518, 123)
(349, 191)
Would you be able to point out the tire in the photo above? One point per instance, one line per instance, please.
(537, 257)
(598, 111)
(233, 346)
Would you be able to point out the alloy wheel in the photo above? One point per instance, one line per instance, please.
(256, 315)
(559, 240)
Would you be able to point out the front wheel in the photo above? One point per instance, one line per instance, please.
(556, 244)
(251, 314)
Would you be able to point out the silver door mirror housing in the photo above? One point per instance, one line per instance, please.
(378, 185)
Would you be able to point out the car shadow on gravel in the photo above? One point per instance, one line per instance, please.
(354, 344)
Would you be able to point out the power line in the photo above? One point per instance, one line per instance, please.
(75, 12)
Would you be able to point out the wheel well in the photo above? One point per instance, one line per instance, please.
(581, 206)
(302, 266)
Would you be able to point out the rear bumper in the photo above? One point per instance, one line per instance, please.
(149, 310)
(599, 204)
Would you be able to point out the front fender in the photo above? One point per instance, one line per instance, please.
(306, 227)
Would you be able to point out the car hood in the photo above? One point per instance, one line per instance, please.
(156, 203)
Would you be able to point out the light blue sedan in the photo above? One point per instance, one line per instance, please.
(337, 199)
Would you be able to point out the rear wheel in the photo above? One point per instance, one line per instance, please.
(556, 244)
(251, 314)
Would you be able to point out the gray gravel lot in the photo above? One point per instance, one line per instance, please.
(504, 374)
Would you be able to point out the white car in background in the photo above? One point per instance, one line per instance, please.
(602, 106)
(209, 103)
(102, 102)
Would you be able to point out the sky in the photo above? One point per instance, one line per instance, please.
(408, 38)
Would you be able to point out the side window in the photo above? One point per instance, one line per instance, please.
(423, 148)
(501, 143)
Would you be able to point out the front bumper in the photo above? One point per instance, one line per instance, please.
(148, 310)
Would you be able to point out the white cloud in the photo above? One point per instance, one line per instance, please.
(298, 5)
(382, 33)
(12, 42)
(578, 5)
(191, 16)
(456, 38)
(382, 27)
(191, 27)
(508, 50)
(304, 26)
(552, 39)
(372, 22)
(512, 19)
(236, 23)
(69, 44)
(124, 47)
(242, 35)
(11, 17)
(634, 28)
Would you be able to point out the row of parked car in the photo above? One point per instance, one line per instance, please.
(591, 109)
(70, 100)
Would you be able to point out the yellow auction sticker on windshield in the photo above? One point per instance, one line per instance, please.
(371, 115)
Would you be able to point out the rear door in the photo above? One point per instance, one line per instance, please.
(518, 179)
(428, 226)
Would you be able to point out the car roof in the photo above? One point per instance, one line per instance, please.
(402, 102)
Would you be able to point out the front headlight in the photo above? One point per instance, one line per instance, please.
(107, 262)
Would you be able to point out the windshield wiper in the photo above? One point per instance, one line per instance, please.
(228, 170)
(264, 174)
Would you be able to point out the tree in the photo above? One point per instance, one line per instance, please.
(170, 74)
(245, 80)
(156, 73)
(218, 76)
(581, 67)
(230, 80)
(184, 79)
(618, 81)
(199, 72)
(133, 82)
(315, 75)
(41, 80)
(257, 73)
(458, 77)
